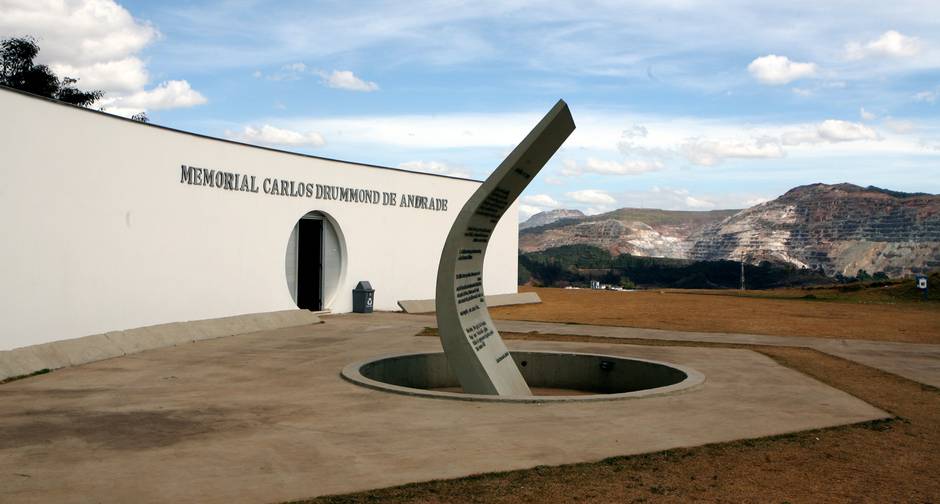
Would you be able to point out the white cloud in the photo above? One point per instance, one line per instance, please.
(635, 131)
(802, 91)
(526, 211)
(705, 152)
(651, 152)
(345, 79)
(605, 167)
(643, 152)
(569, 168)
(900, 126)
(535, 203)
(434, 167)
(890, 43)
(834, 130)
(77, 33)
(337, 79)
(443, 131)
(592, 197)
(927, 96)
(679, 198)
(599, 135)
(128, 74)
(830, 131)
(669, 198)
(270, 135)
(693, 202)
(288, 72)
(866, 115)
(541, 200)
(96, 41)
(776, 70)
(930, 144)
(169, 94)
(587, 39)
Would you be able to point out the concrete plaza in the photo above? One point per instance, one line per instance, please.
(265, 417)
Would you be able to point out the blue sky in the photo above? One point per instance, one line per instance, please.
(679, 104)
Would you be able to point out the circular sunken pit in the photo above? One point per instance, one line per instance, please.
(552, 376)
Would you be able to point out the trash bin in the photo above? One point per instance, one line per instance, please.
(921, 283)
(363, 296)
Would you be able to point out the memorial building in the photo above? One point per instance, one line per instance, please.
(111, 224)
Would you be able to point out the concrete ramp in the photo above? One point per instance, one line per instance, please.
(427, 305)
(73, 352)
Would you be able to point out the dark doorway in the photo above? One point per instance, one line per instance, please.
(309, 264)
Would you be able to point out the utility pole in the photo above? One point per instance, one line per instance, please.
(742, 272)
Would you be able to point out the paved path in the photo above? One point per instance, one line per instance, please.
(265, 417)
(915, 361)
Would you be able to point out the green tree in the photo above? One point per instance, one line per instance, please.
(524, 275)
(18, 71)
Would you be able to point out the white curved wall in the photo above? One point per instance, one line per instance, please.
(99, 234)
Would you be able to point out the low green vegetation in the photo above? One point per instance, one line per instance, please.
(578, 265)
(19, 71)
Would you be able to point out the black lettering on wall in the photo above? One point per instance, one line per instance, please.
(232, 181)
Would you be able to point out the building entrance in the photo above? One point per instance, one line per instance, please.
(310, 264)
(315, 263)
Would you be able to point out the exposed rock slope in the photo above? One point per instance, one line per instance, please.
(636, 231)
(839, 228)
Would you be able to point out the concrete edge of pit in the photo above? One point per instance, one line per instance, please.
(694, 380)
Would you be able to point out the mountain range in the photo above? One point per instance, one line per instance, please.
(838, 229)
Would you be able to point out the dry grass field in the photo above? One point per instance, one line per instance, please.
(779, 313)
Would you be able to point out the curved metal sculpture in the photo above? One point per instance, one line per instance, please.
(475, 351)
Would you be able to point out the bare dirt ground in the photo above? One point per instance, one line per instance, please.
(884, 461)
(725, 311)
